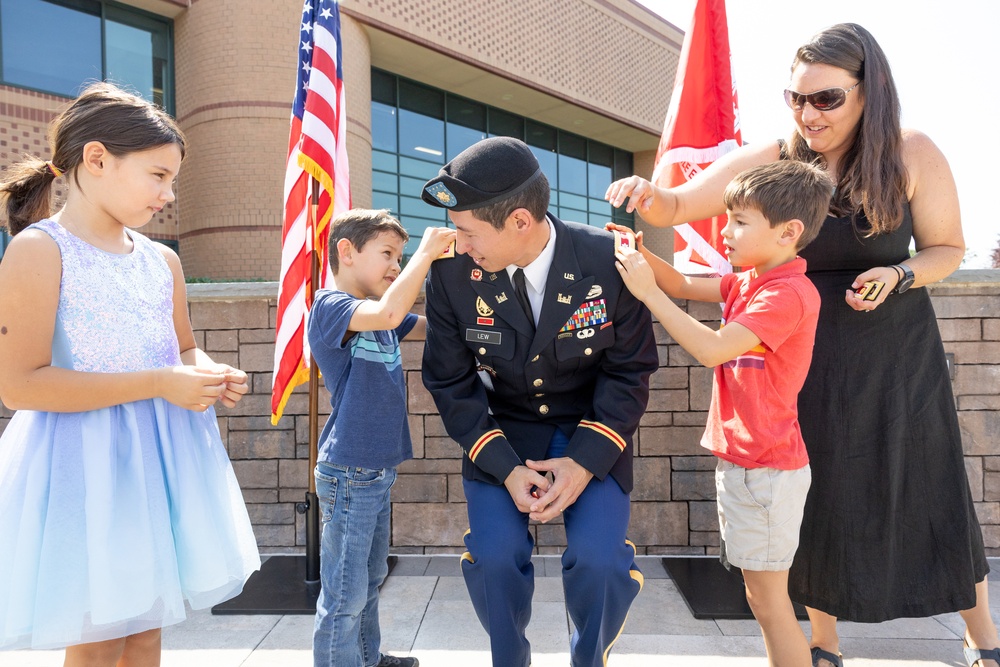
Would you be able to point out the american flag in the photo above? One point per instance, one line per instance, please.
(317, 148)
(702, 125)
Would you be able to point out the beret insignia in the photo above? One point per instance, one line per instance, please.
(441, 193)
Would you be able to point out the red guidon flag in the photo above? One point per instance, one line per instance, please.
(703, 124)
(317, 148)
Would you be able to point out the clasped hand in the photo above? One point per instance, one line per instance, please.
(196, 388)
(569, 481)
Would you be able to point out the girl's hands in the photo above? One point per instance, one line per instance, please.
(237, 385)
(190, 387)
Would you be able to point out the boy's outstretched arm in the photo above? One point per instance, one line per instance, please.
(669, 279)
(708, 346)
(389, 311)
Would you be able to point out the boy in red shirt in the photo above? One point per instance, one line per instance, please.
(761, 356)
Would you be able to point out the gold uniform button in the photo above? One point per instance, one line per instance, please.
(538, 382)
(543, 409)
(588, 352)
(535, 359)
(482, 350)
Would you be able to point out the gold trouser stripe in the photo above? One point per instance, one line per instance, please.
(636, 576)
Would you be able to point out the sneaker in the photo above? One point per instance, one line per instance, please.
(392, 661)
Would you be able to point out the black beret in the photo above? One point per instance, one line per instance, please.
(486, 172)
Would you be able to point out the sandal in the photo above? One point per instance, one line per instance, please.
(835, 660)
(974, 655)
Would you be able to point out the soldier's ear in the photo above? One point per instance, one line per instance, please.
(521, 219)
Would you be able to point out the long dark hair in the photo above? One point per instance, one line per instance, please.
(123, 122)
(872, 177)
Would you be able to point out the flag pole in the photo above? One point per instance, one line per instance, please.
(312, 501)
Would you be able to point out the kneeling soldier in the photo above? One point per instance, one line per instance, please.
(538, 359)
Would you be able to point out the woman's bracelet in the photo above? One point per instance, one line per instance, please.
(899, 272)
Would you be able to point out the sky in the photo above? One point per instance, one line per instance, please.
(944, 60)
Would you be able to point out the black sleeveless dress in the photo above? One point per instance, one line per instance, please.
(889, 529)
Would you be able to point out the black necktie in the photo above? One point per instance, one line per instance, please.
(521, 291)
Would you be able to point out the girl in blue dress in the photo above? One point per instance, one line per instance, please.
(117, 499)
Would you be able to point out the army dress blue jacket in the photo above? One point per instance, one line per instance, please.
(502, 389)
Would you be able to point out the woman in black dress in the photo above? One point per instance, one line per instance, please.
(889, 529)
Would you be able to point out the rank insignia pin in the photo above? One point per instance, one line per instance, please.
(481, 308)
(440, 192)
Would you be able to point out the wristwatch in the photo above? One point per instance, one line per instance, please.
(906, 281)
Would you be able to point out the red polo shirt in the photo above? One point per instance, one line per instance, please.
(753, 419)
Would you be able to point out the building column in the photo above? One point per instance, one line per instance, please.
(358, 86)
(235, 77)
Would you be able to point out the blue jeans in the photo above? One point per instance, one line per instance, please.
(354, 506)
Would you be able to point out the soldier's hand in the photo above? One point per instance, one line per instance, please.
(571, 479)
(520, 483)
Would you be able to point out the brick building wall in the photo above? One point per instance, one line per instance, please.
(235, 70)
(24, 121)
(673, 510)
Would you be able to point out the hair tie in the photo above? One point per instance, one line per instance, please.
(56, 172)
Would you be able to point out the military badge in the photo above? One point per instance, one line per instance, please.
(569, 276)
(870, 290)
(589, 314)
(482, 308)
(565, 298)
(493, 277)
(501, 297)
(477, 274)
(585, 333)
(448, 252)
(484, 321)
(595, 292)
(440, 192)
(624, 240)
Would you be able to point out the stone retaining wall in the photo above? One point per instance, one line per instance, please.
(673, 510)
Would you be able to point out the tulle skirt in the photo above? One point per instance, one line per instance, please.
(111, 519)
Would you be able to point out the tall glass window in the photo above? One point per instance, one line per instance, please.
(56, 46)
(416, 129)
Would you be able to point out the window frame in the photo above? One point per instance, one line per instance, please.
(386, 91)
(143, 20)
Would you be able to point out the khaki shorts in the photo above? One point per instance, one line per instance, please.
(760, 512)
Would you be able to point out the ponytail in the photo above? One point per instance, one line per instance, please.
(123, 122)
(25, 192)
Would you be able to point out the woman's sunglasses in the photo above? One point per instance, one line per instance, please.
(822, 100)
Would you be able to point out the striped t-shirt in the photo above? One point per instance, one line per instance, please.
(364, 374)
